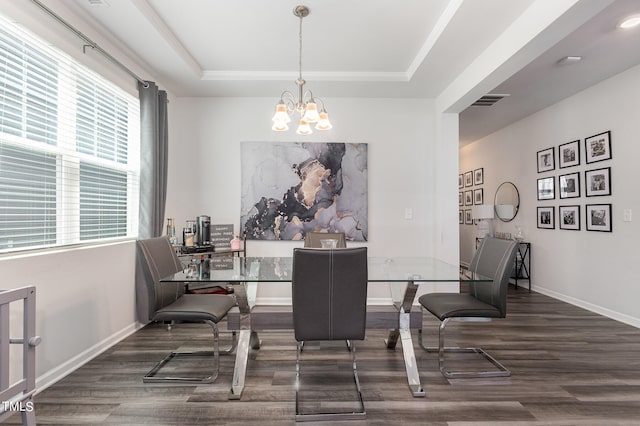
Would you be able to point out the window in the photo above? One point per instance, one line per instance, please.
(69, 149)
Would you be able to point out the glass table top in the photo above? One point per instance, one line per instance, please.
(278, 269)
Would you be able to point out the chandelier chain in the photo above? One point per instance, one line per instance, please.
(300, 50)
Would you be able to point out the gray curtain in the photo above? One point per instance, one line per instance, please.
(154, 147)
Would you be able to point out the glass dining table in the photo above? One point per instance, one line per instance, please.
(403, 275)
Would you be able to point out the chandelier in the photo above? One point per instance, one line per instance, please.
(306, 105)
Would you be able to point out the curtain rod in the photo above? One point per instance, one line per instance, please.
(90, 43)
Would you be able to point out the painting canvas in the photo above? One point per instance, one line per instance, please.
(291, 188)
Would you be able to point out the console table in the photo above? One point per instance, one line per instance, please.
(522, 267)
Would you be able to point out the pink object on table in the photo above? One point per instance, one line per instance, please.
(235, 243)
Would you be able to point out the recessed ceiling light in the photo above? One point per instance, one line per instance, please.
(568, 60)
(99, 3)
(630, 22)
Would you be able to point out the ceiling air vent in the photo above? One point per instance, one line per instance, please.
(489, 100)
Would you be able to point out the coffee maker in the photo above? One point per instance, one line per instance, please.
(203, 230)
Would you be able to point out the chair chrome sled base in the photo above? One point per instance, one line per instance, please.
(313, 417)
(151, 376)
(501, 371)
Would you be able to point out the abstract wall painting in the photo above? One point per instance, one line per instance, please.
(289, 189)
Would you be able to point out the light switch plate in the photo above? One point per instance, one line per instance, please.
(408, 213)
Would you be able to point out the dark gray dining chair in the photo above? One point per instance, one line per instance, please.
(314, 239)
(329, 296)
(167, 302)
(493, 258)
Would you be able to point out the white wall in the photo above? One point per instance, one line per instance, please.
(84, 304)
(204, 167)
(595, 270)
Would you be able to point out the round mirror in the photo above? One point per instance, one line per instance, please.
(506, 202)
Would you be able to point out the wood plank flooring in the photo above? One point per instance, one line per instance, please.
(569, 367)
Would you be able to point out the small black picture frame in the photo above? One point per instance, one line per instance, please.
(569, 217)
(598, 217)
(468, 179)
(598, 147)
(468, 198)
(546, 188)
(461, 198)
(546, 160)
(569, 154)
(546, 217)
(478, 196)
(478, 176)
(468, 220)
(597, 182)
(569, 185)
(461, 217)
(460, 180)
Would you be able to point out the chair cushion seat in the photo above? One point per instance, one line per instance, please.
(448, 305)
(196, 307)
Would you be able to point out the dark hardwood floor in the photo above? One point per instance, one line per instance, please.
(569, 367)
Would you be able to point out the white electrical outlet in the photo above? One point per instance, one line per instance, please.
(408, 213)
(626, 215)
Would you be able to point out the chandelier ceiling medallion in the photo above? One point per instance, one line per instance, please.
(306, 105)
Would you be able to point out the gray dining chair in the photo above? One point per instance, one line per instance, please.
(329, 297)
(168, 303)
(493, 258)
(314, 239)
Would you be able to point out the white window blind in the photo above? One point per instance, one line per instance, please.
(69, 149)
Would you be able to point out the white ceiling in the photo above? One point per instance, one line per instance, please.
(605, 51)
(359, 48)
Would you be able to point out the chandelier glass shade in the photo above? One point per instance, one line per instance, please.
(305, 106)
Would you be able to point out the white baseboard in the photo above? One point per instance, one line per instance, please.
(273, 301)
(627, 319)
(58, 373)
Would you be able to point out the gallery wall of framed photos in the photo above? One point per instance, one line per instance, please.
(470, 194)
(578, 189)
